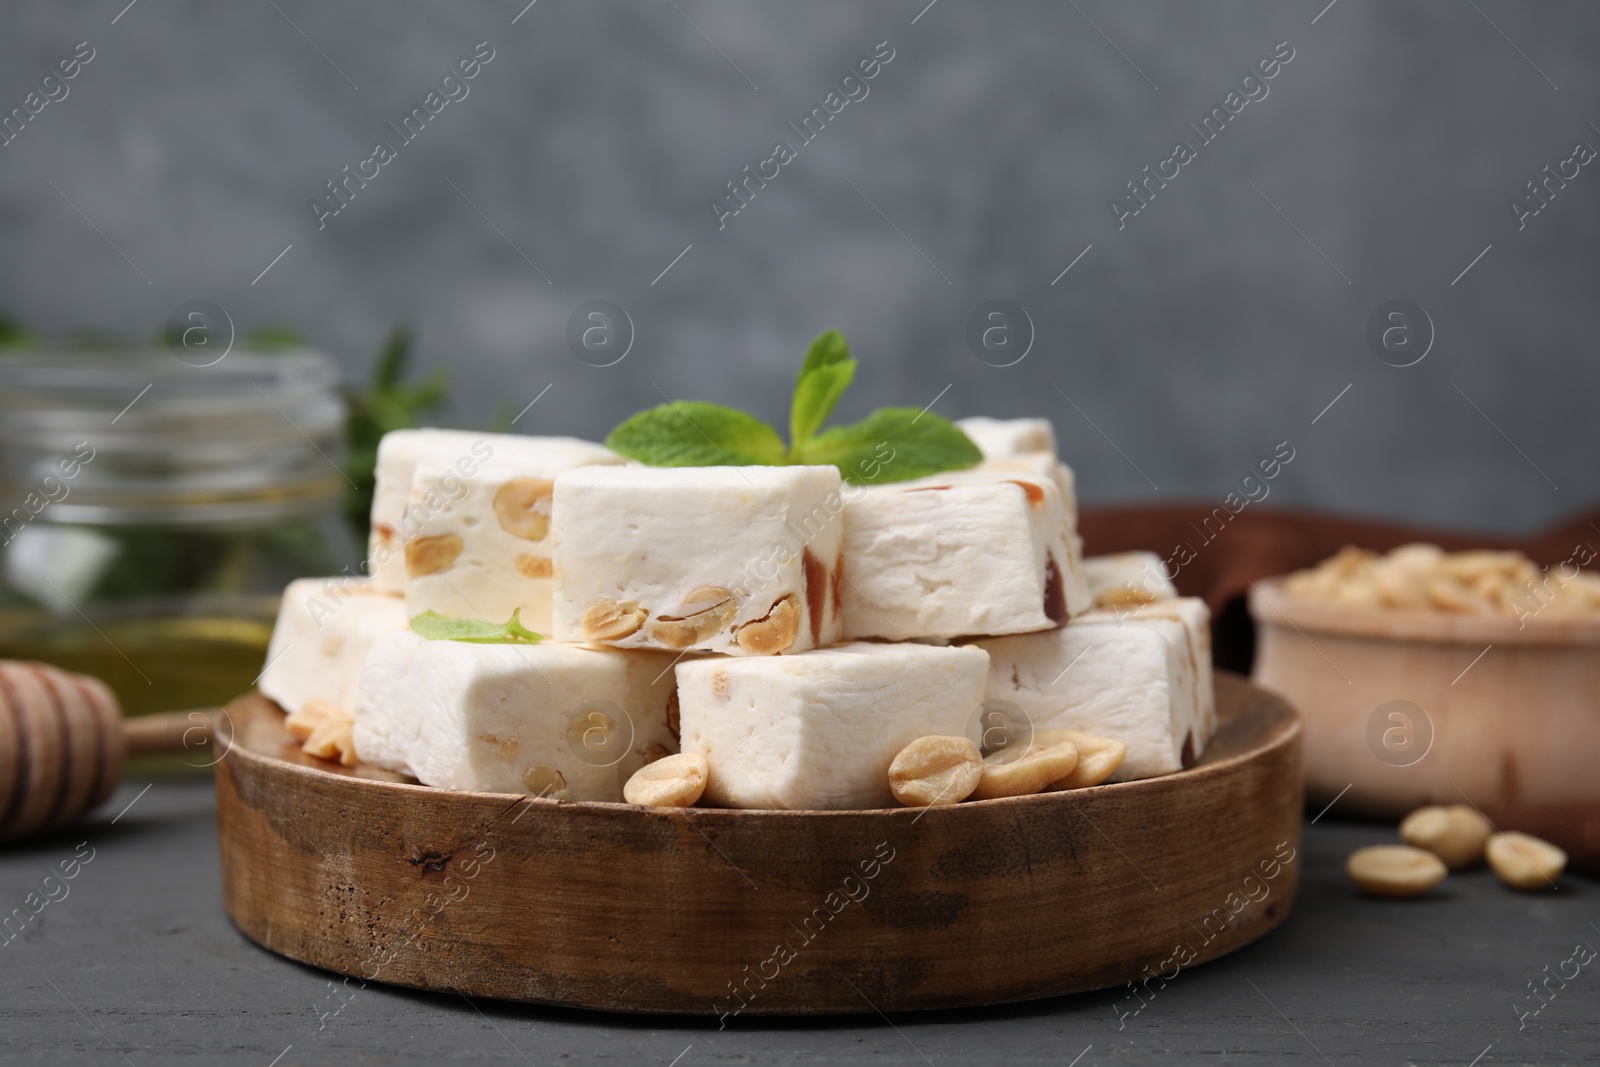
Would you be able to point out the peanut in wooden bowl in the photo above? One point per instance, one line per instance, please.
(1407, 708)
(616, 907)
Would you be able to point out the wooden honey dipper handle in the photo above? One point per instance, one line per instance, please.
(63, 742)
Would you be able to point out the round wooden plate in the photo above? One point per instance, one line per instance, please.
(721, 912)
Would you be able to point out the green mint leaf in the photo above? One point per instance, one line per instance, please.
(692, 433)
(894, 445)
(436, 627)
(824, 377)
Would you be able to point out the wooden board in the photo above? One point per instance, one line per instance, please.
(720, 912)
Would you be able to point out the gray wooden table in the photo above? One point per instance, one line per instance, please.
(135, 961)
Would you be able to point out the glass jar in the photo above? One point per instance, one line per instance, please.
(151, 512)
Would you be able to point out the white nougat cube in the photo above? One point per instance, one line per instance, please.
(1002, 438)
(554, 720)
(959, 554)
(397, 513)
(1027, 445)
(481, 544)
(325, 627)
(1127, 579)
(398, 454)
(1142, 677)
(818, 730)
(738, 560)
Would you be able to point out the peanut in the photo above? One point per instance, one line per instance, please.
(670, 782)
(607, 620)
(1098, 757)
(705, 611)
(533, 566)
(1525, 862)
(522, 508)
(1018, 771)
(325, 731)
(1395, 870)
(935, 770)
(1456, 834)
(1123, 596)
(545, 781)
(1463, 583)
(773, 632)
(430, 555)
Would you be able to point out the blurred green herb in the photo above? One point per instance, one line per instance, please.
(387, 403)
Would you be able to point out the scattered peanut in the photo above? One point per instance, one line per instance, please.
(1395, 870)
(1019, 771)
(773, 632)
(1525, 862)
(935, 770)
(522, 507)
(1456, 834)
(545, 781)
(1098, 757)
(607, 620)
(430, 555)
(669, 782)
(324, 730)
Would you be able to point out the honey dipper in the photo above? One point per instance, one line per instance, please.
(63, 742)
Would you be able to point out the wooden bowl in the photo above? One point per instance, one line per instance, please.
(602, 905)
(1410, 707)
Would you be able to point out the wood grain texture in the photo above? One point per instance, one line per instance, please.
(629, 909)
(1515, 732)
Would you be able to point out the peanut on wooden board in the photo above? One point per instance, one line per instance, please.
(1098, 757)
(675, 781)
(1456, 834)
(324, 730)
(1395, 870)
(1022, 770)
(1525, 862)
(935, 770)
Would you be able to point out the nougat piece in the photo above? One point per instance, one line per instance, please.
(959, 554)
(738, 560)
(399, 451)
(481, 544)
(818, 730)
(325, 627)
(1127, 579)
(1027, 445)
(552, 720)
(397, 513)
(1141, 676)
(1001, 438)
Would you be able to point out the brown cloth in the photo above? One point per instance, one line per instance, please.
(1219, 554)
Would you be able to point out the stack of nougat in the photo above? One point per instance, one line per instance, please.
(794, 630)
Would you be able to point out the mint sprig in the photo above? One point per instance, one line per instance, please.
(437, 627)
(890, 445)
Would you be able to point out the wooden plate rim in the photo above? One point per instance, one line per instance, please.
(1288, 731)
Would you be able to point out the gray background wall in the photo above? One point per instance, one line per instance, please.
(1193, 340)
